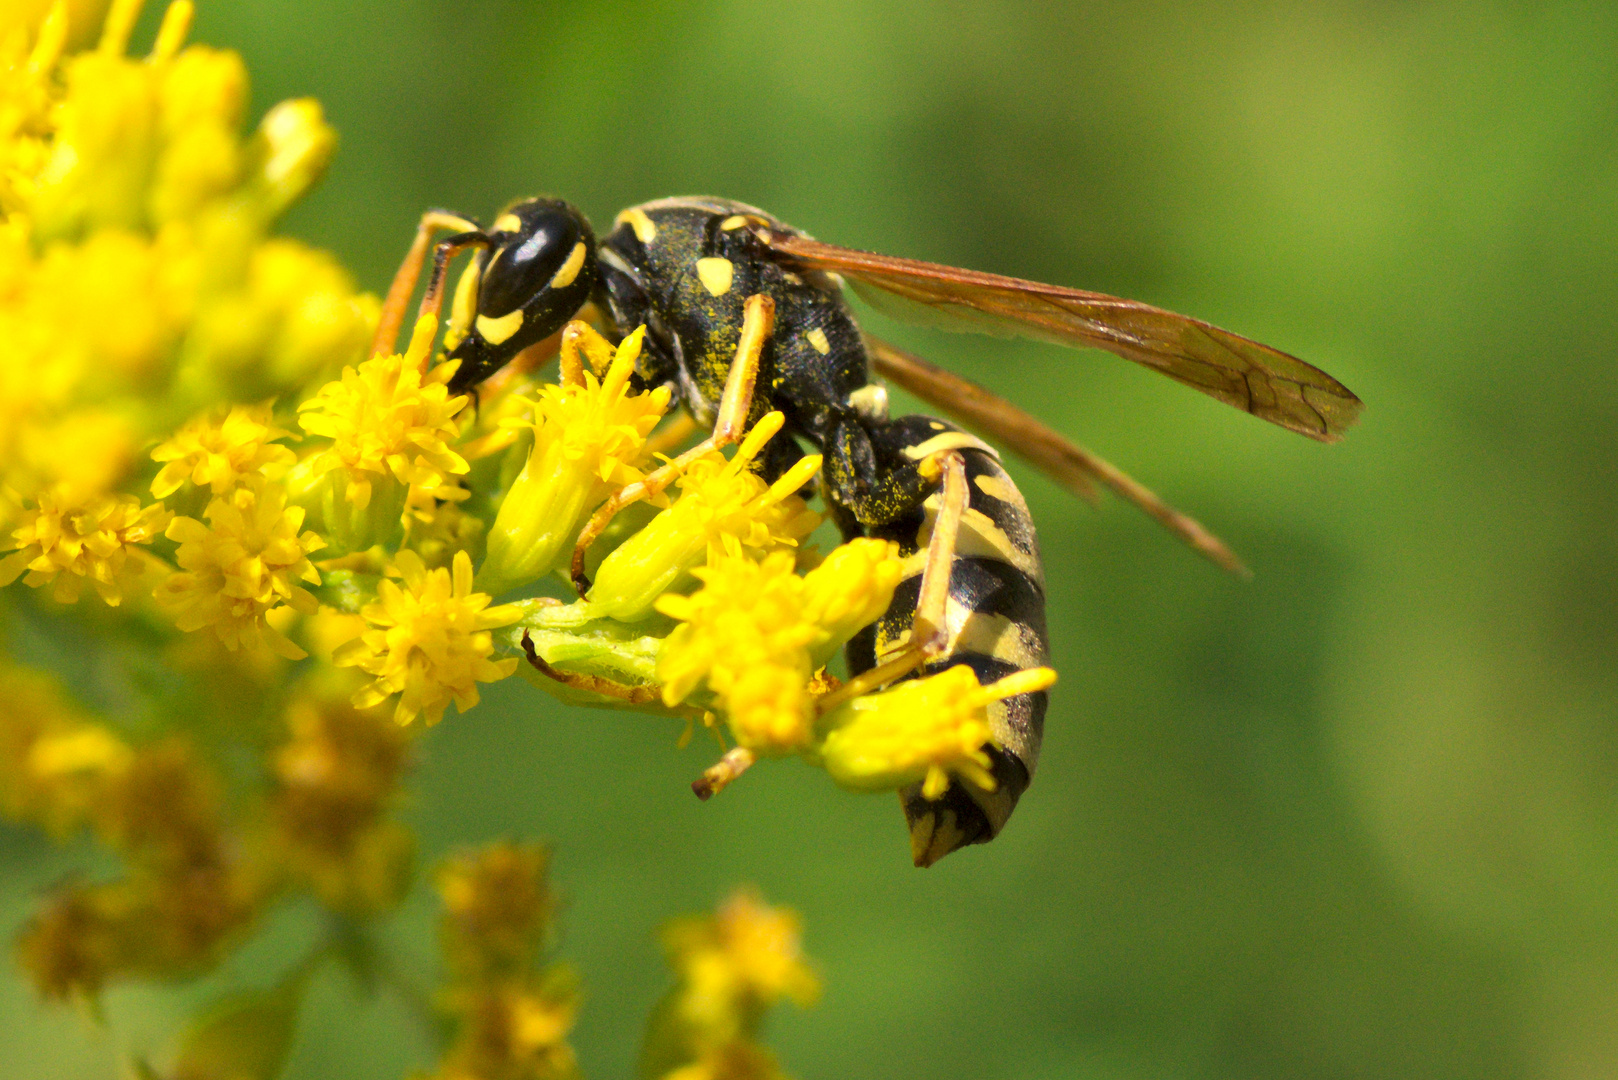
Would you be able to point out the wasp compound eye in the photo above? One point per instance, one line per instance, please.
(539, 271)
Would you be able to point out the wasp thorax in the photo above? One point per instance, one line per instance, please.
(538, 271)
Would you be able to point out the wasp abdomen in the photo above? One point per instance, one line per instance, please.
(996, 626)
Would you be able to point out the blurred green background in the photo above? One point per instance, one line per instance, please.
(1354, 818)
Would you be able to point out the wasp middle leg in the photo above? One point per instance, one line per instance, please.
(735, 409)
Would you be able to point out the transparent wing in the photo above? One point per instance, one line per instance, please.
(1253, 377)
(1064, 461)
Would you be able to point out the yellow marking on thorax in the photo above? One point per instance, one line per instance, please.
(570, 269)
(935, 425)
(949, 440)
(715, 275)
(817, 338)
(499, 331)
(734, 221)
(645, 228)
(507, 223)
(870, 401)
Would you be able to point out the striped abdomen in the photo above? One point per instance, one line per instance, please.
(996, 623)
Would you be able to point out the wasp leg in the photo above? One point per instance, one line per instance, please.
(1064, 461)
(595, 684)
(404, 280)
(715, 778)
(735, 405)
(929, 630)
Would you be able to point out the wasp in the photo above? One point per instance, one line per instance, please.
(746, 314)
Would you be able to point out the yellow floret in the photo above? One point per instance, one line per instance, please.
(588, 436)
(430, 643)
(922, 729)
(217, 451)
(241, 566)
(385, 420)
(746, 958)
(69, 539)
(756, 633)
(724, 508)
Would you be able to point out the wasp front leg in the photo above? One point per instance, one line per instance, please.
(467, 234)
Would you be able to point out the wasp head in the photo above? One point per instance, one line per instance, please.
(538, 270)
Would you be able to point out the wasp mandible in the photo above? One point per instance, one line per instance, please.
(746, 315)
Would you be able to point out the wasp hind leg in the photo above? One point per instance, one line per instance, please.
(735, 408)
(929, 628)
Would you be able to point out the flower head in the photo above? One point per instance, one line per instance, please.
(54, 762)
(724, 508)
(497, 909)
(430, 641)
(921, 730)
(335, 777)
(69, 540)
(756, 633)
(588, 434)
(737, 963)
(241, 566)
(385, 419)
(216, 451)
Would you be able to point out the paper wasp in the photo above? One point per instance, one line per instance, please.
(746, 315)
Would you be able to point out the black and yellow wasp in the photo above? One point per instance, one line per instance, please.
(745, 314)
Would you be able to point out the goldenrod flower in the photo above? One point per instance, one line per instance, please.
(242, 565)
(921, 730)
(431, 643)
(70, 540)
(511, 1032)
(724, 508)
(54, 762)
(514, 1016)
(730, 968)
(587, 439)
(497, 909)
(390, 428)
(756, 633)
(216, 451)
(335, 777)
(436, 525)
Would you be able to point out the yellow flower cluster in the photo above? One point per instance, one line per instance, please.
(588, 436)
(218, 452)
(70, 538)
(512, 1014)
(241, 567)
(187, 889)
(336, 777)
(756, 633)
(431, 643)
(390, 426)
(724, 508)
(730, 969)
(190, 429)
(136, 274)
(923, 730)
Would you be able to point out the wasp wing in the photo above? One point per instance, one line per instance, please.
(1253, 377)
(1064, 461)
